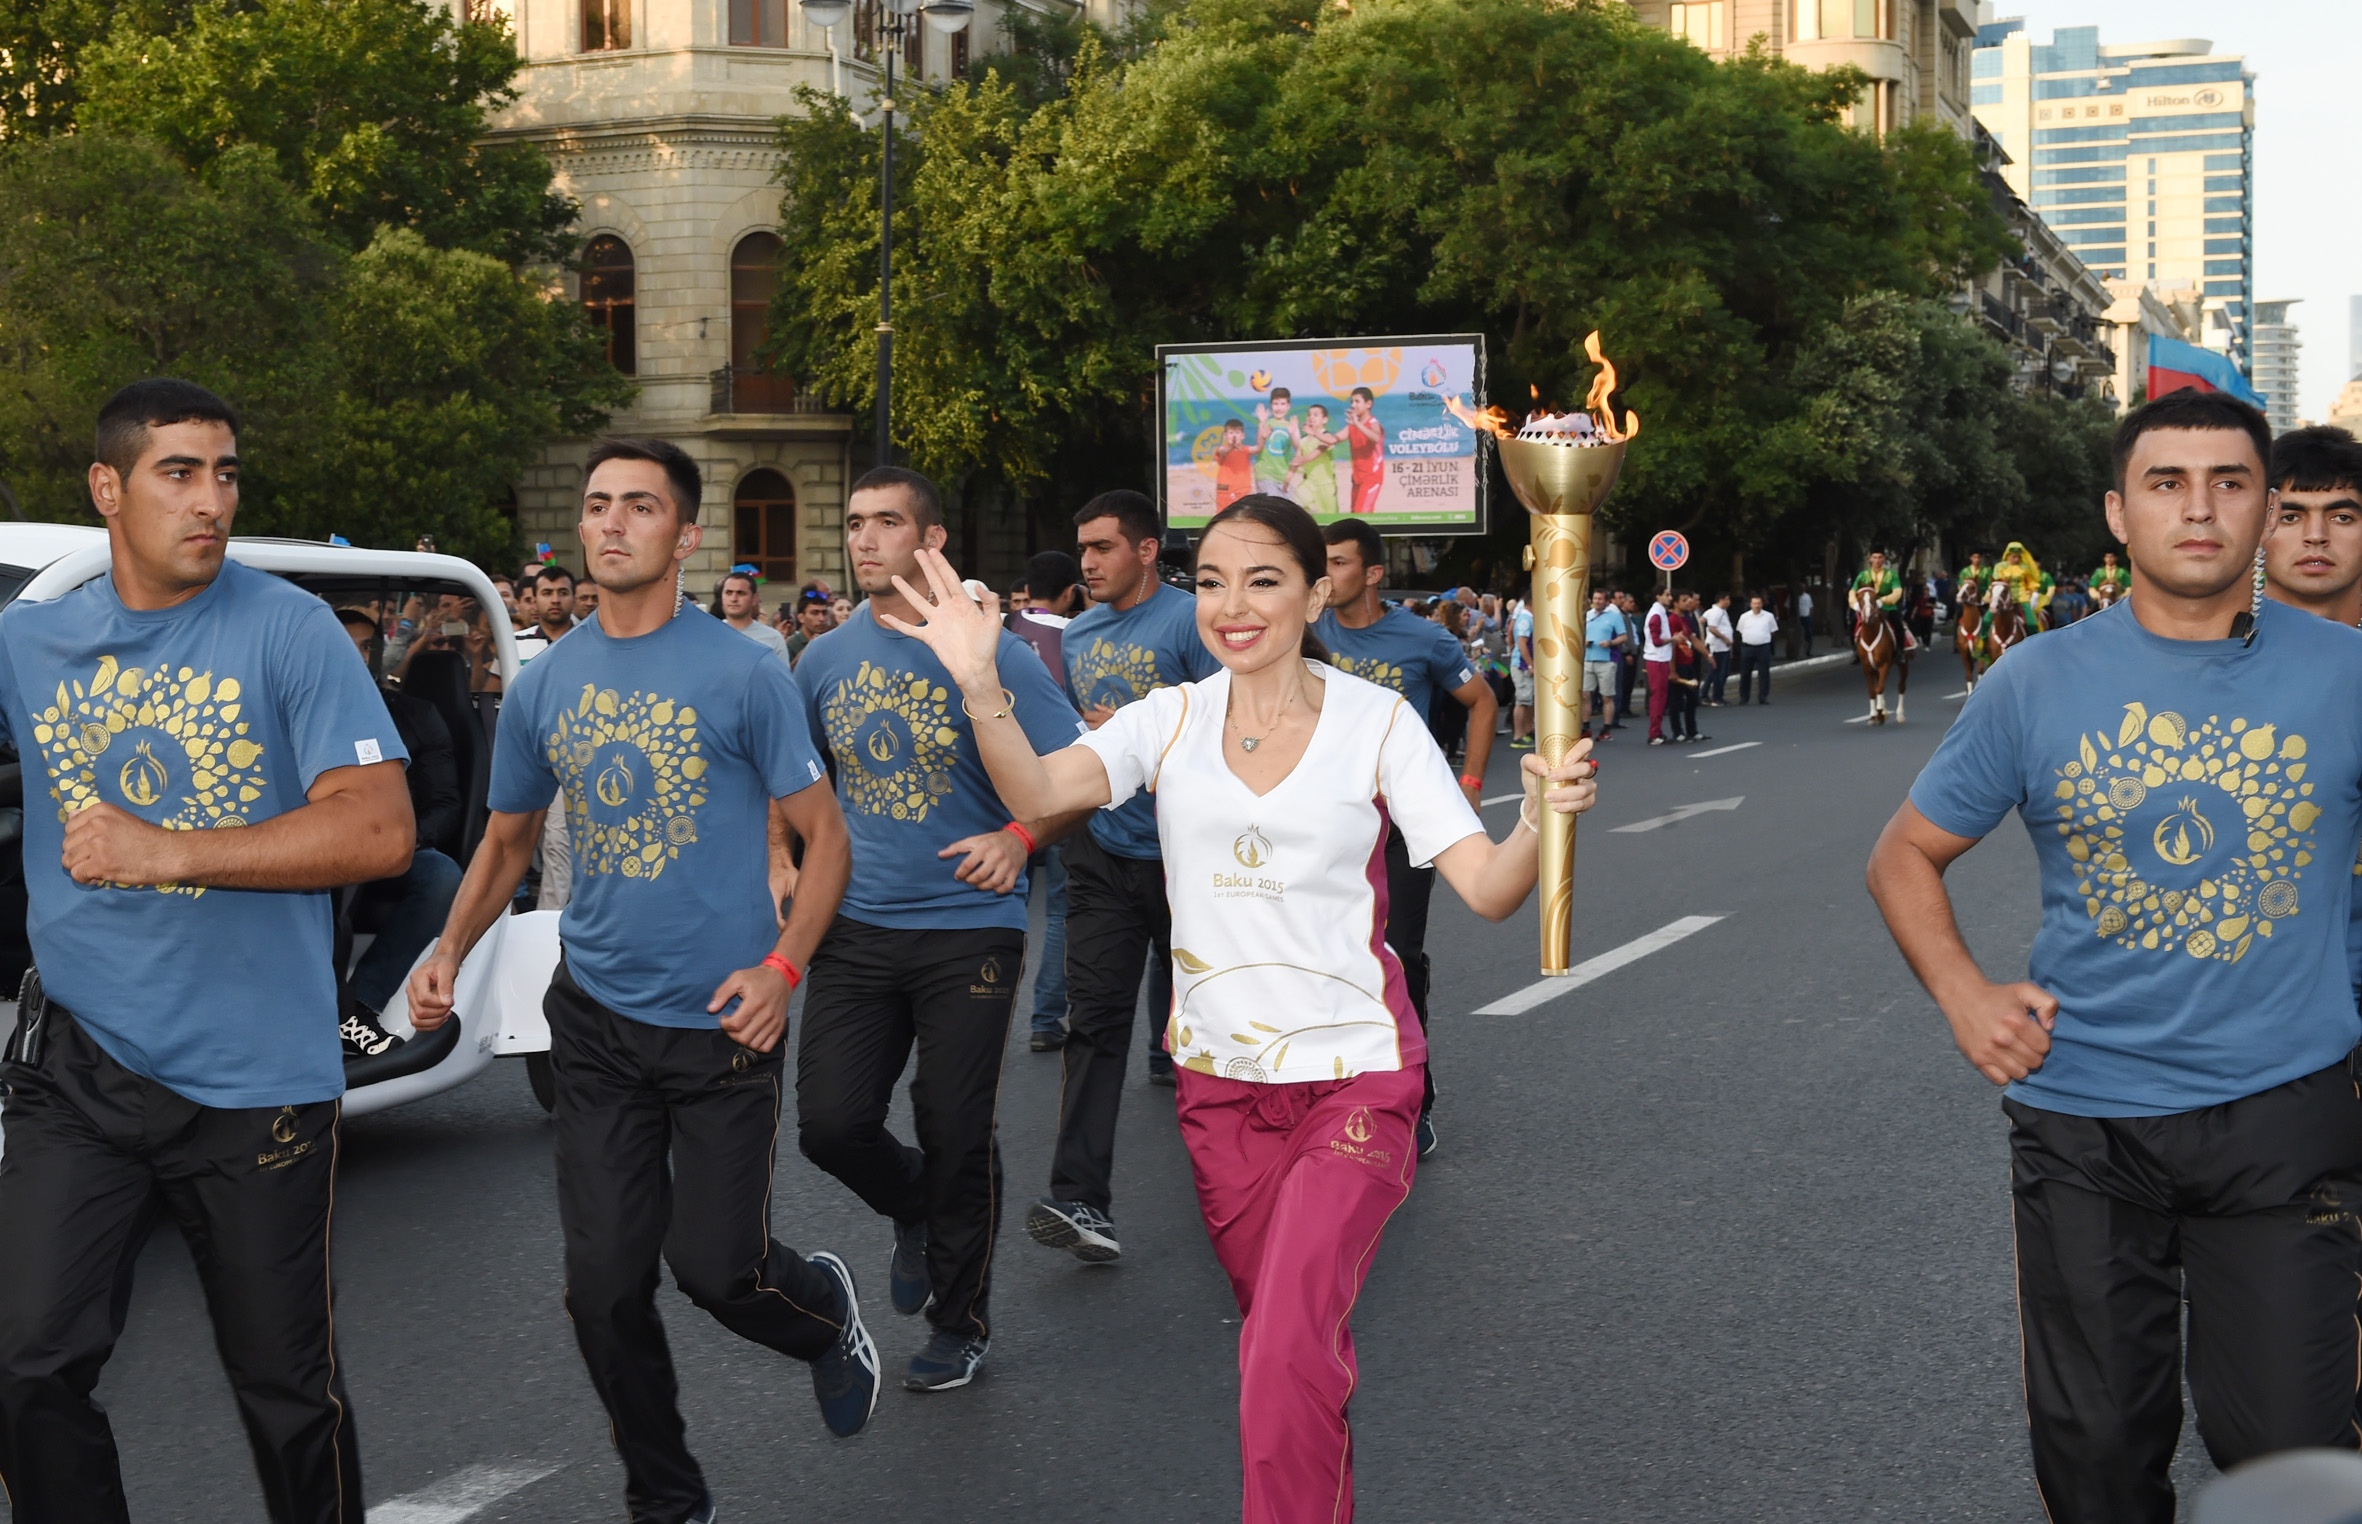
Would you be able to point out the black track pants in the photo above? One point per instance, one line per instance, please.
(628, 1096)
(1117, 922)
(1408, 891)
(873, 993)
(2248, 1210)
(94, 1153)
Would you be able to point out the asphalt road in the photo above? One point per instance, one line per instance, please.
(1722, 1235)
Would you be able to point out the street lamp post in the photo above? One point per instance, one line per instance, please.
(896, 19)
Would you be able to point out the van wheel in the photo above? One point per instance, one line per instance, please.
(543, 1080)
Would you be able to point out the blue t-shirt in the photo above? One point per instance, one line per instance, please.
(670, 747)
(908, 773)
(220, 711)
(2195, 808)
(1399, 650)
(1118, 657)
(1521, 629)
(1599, 629)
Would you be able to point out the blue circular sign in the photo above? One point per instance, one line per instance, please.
(1668, 550)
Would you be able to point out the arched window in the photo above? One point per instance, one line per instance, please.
(607, 297)
(754, 276)
(763, 526)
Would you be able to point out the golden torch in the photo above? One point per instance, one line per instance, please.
(1561, 466)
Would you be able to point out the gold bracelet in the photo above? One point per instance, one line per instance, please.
(1008, 700)
(1521, 820)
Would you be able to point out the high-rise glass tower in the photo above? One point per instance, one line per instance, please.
(2139, 155)
(2276, 350)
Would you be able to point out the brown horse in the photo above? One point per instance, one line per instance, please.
(1878, 651)
(2005, 623)
(1968, 634)
(2105, 594)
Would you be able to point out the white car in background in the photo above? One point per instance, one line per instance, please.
(498, 1011)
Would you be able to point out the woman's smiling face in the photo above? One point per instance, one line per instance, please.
(1253, 601)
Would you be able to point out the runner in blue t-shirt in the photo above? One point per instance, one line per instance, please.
(2184, 1121)
(184, 1051)
(1420, 660)
(931, 940)
(676, 743)
(1605, 633)
(1137, 636)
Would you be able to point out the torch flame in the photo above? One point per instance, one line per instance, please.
(1602, 386)
(1491, 421)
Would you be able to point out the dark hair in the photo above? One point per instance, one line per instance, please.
(2192, 409)
(552, 572)
(1051, 573)
(126, 417)
(2319, 459)
(926, 504)
(731, 576)
(1134, 514)
(1361, 534)
(1298, 530)
(1364, 393)
(680, 472)
(1239, 424)
(1277, 392)
(349, 615)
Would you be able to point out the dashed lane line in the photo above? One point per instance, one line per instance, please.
(461, 1495)
(1723, 750)
(1578, 976)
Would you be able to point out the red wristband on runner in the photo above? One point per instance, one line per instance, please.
(1023, 835)
(1470, 780)
(786, 969)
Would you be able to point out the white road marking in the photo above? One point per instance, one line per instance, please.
(1963, 693)
(1581, 974)
(1501, 799)
(1720, 750)
(1859, 719)
(1683, 813)
(461, 1495)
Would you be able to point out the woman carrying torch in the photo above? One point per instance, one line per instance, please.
(1299, 1058)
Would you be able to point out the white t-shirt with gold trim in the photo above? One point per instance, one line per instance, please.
(1281, 973)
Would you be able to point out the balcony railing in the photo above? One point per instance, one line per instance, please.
(759, 391)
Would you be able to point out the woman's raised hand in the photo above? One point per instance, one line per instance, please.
(965, 635)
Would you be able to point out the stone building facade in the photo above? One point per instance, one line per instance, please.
(657, 116)
(1916, 52)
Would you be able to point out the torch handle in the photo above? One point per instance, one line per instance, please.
(1562, 572)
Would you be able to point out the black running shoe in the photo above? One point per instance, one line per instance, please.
(364, 1036)
(1082, 1231)
(1426, 1133)
(949, 1360)
(1049, 1040)
(1160, 1070)
(908, 1282)
(845, 1379)
(705, 1513)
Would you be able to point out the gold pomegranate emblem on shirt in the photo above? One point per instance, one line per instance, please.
(1252, 849)
(615, 784)
(142, 778)
(2184, 836)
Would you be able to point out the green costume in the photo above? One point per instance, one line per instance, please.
(1316, 477)
(1982, 576)
(1888, 586)
(2121, 576)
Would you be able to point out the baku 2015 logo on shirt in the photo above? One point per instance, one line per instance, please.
(2187, 837)
(168, 746)
(634, 778)
(893, 736)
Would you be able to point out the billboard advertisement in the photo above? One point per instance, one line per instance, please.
(1345, 427)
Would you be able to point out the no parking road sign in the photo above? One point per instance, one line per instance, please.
(1668, 550)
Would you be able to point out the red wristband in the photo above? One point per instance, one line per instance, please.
(786, 969)
(1023, 835)
(1470, 780)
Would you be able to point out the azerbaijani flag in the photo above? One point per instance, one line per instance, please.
(2174, 365)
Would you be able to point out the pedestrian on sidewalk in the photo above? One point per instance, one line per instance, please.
(1719, 639)
(1656, 651)
(1604, 635)
(1275, 782)
(2181, 1061)
(669, 1004)
(1627, 655)
(1804, 618)
(1756, 628)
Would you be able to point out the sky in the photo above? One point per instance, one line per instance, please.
(2306, 56)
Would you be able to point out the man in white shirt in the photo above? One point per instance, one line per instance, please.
(1804, 617)
(551, 598)
(1756, 628)
(1718, 643)
(1656, 654)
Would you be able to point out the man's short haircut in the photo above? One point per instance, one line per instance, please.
(680, 472)
(1361, 535)
(153, 403)
(351, 616)
(2319, 459)
(1050, 573)
(2193, 409)
(553, 573)
(1134, 514)
(926, 504)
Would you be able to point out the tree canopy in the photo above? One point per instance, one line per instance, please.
(1528, 169)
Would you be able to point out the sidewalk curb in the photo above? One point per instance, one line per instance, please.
(1813, 661)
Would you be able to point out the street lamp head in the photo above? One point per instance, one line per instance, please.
(946, 16)
(826, 14)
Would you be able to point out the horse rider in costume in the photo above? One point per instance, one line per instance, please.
(2109, 573)
(1887, 587)
(1976, 571)
(2027, 579)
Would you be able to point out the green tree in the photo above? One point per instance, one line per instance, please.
(41, 46)
(1277, 168)
(375, 109)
